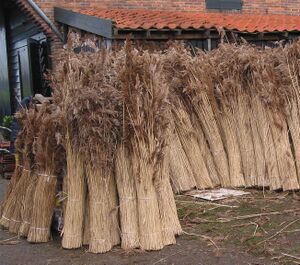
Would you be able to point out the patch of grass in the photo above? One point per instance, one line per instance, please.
(204, 219)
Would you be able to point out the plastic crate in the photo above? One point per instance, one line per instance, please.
(7, 160)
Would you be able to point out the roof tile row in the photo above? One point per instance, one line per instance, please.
(150, 19)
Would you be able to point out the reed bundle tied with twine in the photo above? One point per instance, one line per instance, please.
(146, 123)
(199, 94)
(17, 204)
(188, 139)
(175, 62)
(280, 106)
(92, 128)
(49, 160)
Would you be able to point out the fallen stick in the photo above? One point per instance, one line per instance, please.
(243, 217)
(165, 258)
(278, 232)
(224, 220)
(202, 236)
(212, 203)
(291, 256)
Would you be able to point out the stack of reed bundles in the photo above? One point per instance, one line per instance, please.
(130, 125)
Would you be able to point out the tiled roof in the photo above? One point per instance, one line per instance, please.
(30, 13)
(150, 19)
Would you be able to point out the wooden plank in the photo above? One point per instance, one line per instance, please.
(98, 26)
(25, 69)
(5, 106)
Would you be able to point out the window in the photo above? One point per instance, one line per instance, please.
(224, 4)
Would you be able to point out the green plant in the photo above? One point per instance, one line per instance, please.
(7, 121)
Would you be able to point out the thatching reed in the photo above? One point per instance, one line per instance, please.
(49, 158)
(14, 208)
(19, 145)
(274, 97)
(199, 94)
(134, 124)
(128, 199)
(188, 139)
(181, 174)
(66, 85)
(146, 122)
(175, 63)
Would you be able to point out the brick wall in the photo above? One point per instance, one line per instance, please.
(291, 7)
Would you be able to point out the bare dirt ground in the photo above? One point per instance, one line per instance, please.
(263, 228)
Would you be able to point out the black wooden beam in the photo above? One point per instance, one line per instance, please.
(5, 106)
(166, 34)
(98, 26)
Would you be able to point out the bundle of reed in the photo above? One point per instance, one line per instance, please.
(274, 99)
(181, 174)
(19, 145)
(199, 94)
(14, 205)
(188, 139)
(264, 146)
(174, 61)
(66, 84)
(225, 111)
(236, 70)
(167, 207)
(127, 197)
(145, 95)
(28, 203)
(97, 115)
(228, 131)
(284, 113)
(49, 159)
(74, 188)
(288, 72)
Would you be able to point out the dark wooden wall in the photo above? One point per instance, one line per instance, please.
(23, 39)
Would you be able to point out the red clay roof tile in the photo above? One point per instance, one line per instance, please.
(151, 19)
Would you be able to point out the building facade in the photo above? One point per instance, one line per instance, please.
(286, 7)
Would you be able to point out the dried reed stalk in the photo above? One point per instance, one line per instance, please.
(146, 121)
(74, 212)
(259, 152)
(271, 177)
(285, 160)
(86, 229)
(150, 227)
(12, 208)
(49, 158)
(293, 120)
(190, 145)
(181, 174)
(27, 206)
(100, 221)
(290, 70)
(44, 201)
(113, 214)
(232, 149)
(204, 111)
(206, 153)
(167, 206)
(127, 197)
(14, 203)
(245, 140)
